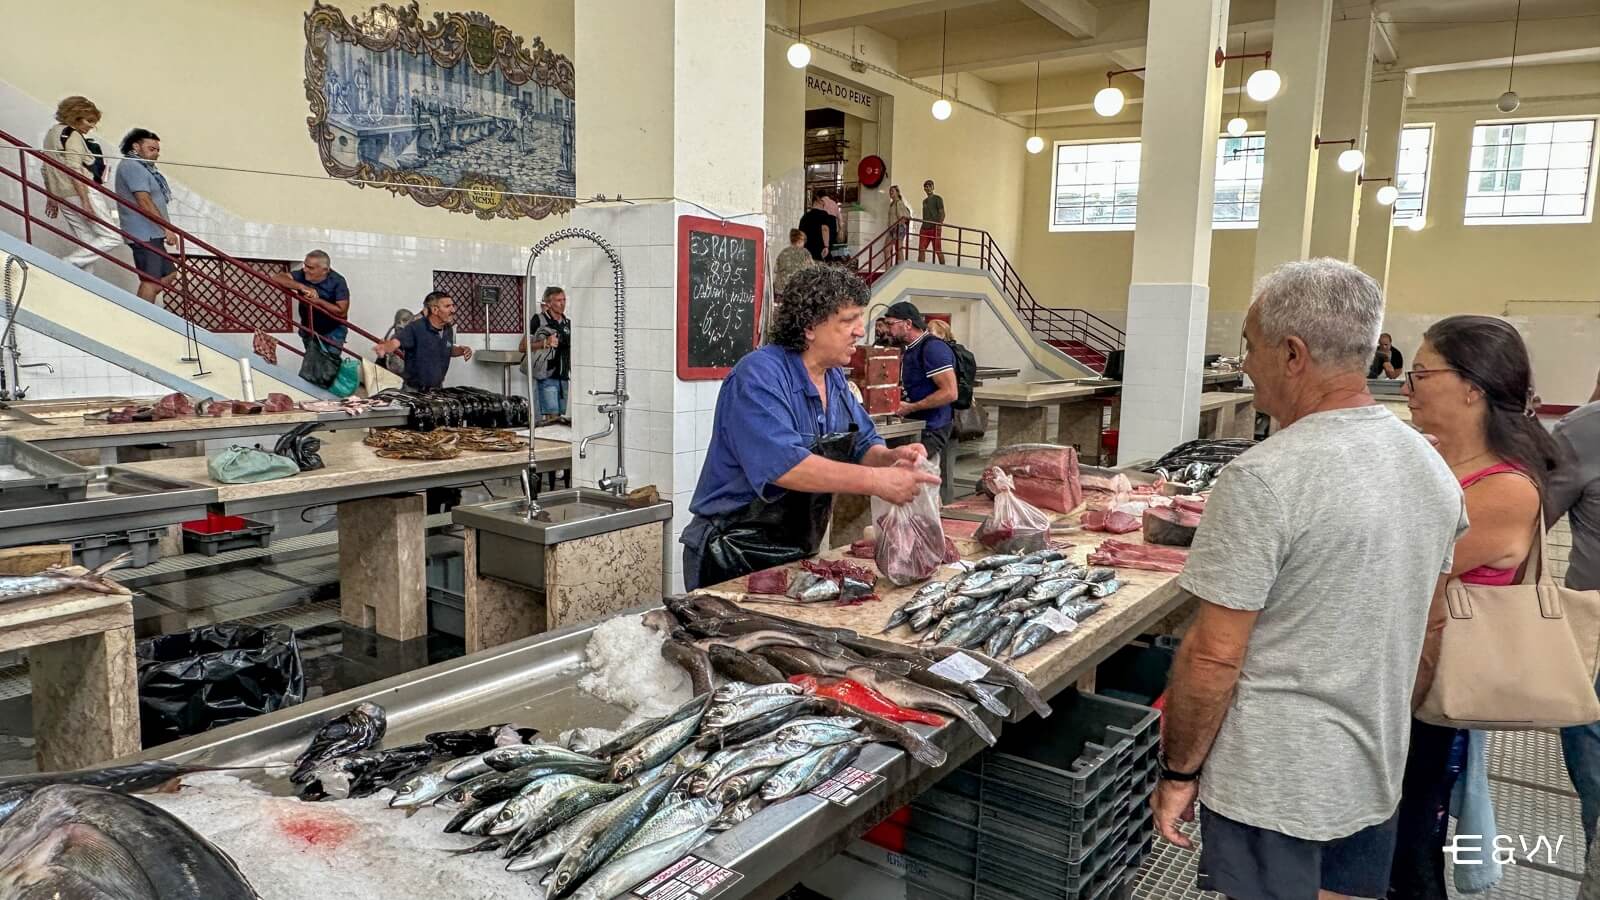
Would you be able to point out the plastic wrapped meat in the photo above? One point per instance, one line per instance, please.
(1015, 525)
(911, 537)
(1045, 475)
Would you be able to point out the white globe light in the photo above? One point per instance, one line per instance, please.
(1416, 223)
(1108, 102)
(1387, 195)
(942, 109)
(1508, 102)
(799, 55)
(1263, 85)
(1237, 126)
(1035, 144)
(1351, 160)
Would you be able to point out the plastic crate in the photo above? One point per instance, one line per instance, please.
(1135, 673)
(965, 810)
(1074, 754)
(143, 544)
(219, 534)
(1002, 862)
(1061, 829)
(949, 875)
(923, 826)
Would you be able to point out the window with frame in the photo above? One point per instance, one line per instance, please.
(1530, 172)
(484, 301)
(1095, 186)
(1236, 197)
(1411, 173)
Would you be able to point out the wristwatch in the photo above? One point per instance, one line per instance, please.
(1170, 774)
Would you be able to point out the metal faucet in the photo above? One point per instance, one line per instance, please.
(610, 411)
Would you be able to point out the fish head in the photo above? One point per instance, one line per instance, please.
(624, 768)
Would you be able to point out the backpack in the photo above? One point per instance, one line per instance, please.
(966, 375)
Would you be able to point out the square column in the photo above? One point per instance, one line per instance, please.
(1170, 295)
(1344, 114)
(1386, 116)
(674, 111)
(1294, 119)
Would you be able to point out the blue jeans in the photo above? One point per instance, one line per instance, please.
(1580, 747)
(552, 396)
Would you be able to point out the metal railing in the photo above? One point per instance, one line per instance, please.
(179, 256)
(959, 245)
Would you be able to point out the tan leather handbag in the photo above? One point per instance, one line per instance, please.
(1517, 657)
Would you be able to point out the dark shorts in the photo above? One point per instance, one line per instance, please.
(147, 259)
(1244, 862)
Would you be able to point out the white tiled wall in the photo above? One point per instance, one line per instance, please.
(76, 374)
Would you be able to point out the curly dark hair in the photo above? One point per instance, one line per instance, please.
(813, 294)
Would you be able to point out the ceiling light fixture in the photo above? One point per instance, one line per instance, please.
(1109, 100)
(1416, 223)
(941, 107)
(1237, 126)
(1035, 143)
(1350, 160)
(1509, 101)
(799, 53)
(1264, 83)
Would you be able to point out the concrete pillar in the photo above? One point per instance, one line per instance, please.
(1386, 115)
(1344, 114)
(1169, 296)
(673, 109)
(1294, 117)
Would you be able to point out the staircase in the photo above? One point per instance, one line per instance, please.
(1079, 334)
(171, 342)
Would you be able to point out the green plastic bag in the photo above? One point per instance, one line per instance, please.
(247, 465)
(348, 380)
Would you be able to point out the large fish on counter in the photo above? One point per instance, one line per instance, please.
(70, 842)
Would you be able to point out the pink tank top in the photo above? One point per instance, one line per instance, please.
(1487, 574)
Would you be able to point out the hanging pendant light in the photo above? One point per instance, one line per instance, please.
(799, 53)
(1035, 143)
(1509, 101)
(1237, 126)
(941, 107)
(1263, 85)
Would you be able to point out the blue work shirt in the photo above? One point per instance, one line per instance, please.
(768, 415)
(141, 176)
(428, 351)
(926, 357)
(331, 288)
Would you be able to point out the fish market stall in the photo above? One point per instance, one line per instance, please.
(78, 632)
(381, 510)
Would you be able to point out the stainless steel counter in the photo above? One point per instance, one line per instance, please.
(534, 682)
(118, 499)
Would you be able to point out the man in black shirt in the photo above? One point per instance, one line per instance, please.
(820, 227)
(427, 343)
(1387, 362)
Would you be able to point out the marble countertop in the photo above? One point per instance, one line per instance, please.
(348, 463)
(34, 620)
(76, 427)
(1144, 598)
(1218, 399)
(1040, 393)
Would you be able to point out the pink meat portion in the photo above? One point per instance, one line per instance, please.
(1170, 525)
(1046, 475)
(1113, 521)
(245, 408)
(1120, 554)
(767, 581)
(172, 406)
(277, 403)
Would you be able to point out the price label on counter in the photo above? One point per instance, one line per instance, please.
(847, 785)
(690, 878)
(1055, 621)
(960, 668)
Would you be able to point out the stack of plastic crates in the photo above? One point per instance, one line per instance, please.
(1058, 811)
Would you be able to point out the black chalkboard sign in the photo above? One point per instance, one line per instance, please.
(720, 279)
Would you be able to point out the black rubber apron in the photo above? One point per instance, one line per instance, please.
(770, 533)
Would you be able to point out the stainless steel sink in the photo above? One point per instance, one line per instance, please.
(498, 357)
(511, 546)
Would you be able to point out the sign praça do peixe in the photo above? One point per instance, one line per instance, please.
(853, 100)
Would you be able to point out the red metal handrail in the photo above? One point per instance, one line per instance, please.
(180, 260)
(979, 248)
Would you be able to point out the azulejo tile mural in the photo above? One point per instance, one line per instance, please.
(455, 112)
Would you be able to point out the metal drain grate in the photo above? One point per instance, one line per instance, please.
(1169, 871)
(1531, 758)
(309, 615)
(14, 682)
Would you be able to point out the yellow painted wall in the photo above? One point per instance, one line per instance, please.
(223, 84)
(1447, 268)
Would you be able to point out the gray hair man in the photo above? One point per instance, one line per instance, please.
(1291, 697)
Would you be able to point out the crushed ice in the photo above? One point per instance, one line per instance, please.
(626, 669)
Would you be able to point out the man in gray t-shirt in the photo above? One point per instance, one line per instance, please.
(1290, 704)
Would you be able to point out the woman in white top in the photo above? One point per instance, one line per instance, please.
(900, 221)
(90, 214)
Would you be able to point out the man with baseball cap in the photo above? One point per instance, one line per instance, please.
(928, 383)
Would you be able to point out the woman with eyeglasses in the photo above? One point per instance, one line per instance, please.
(1470, 388)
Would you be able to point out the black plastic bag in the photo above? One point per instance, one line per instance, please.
(216, 675)
(321, 364)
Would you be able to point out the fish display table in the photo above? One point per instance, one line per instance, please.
(1224, 415)
(381, 506)
(71, 432)
(81, 661)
